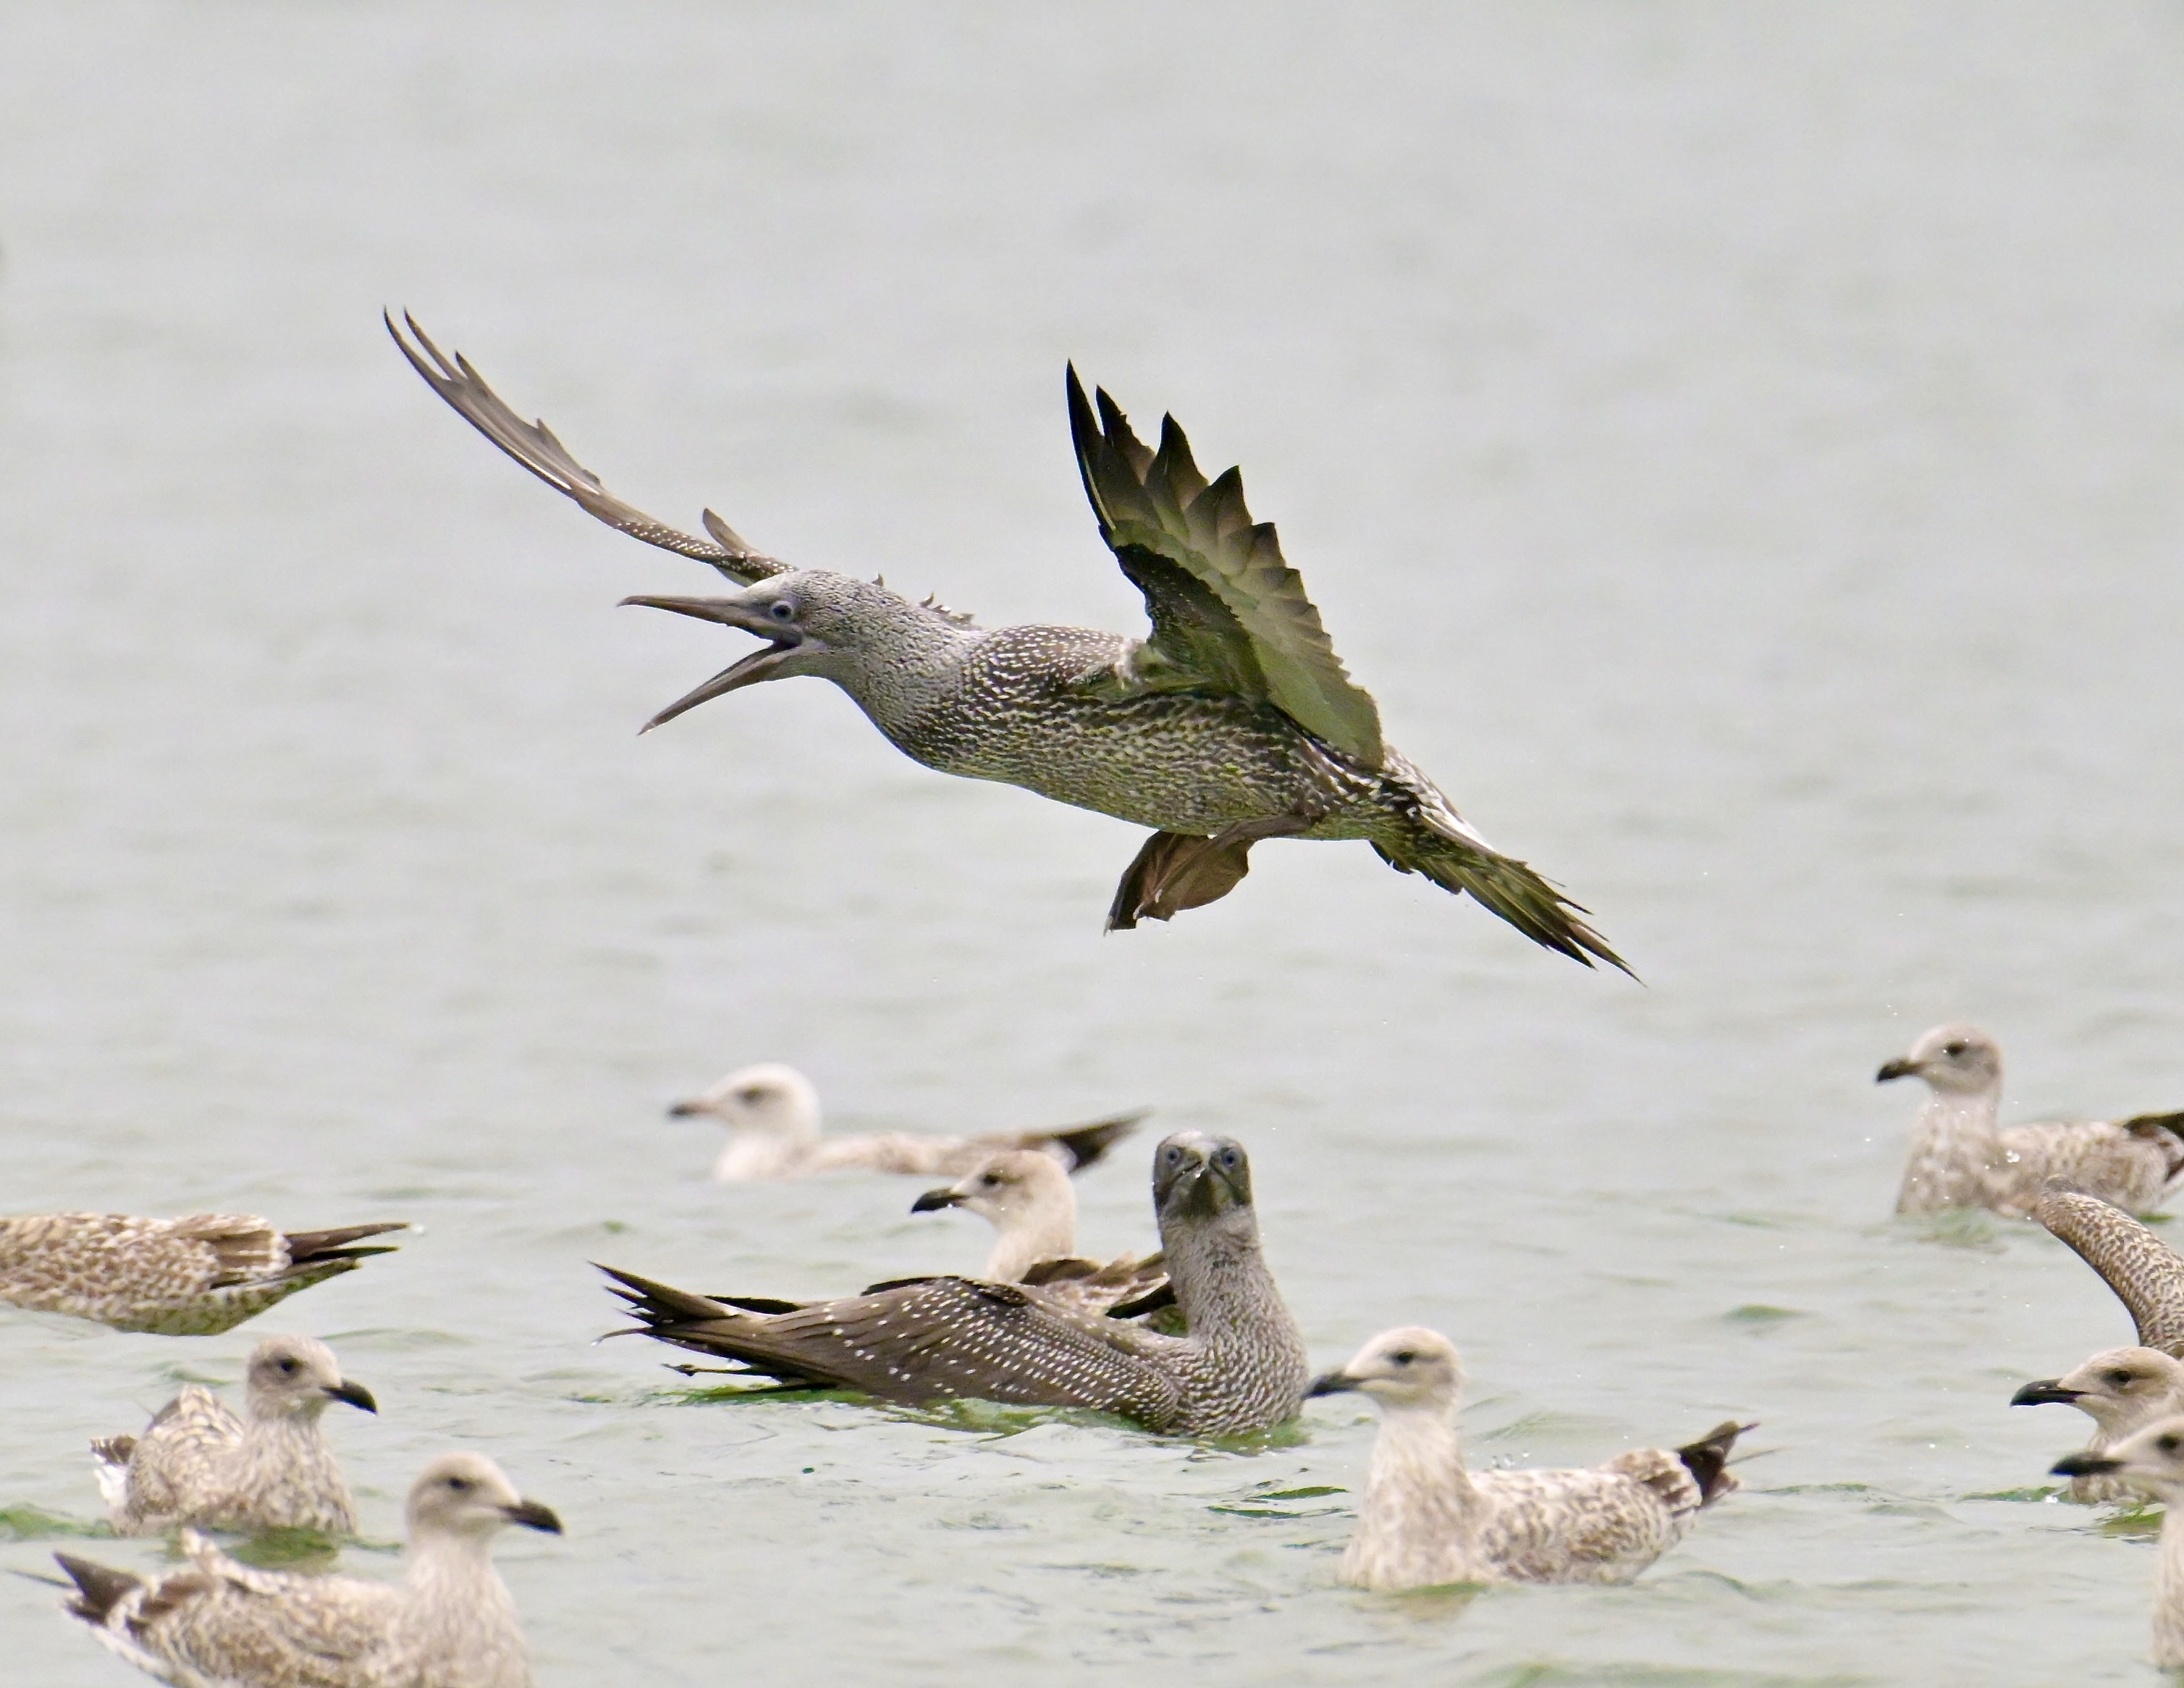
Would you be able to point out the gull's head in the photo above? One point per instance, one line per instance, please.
(466, 1495)
(1009, 1189)
(814, 621)
(1409, 1366)
(294, 1377)
(1957, 1061)
(1200, 1179)
(2119, 1390)
(2152, 1461)
(769, 1099)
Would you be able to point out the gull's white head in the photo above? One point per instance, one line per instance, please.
(1409, 1366)
(294, 1377)
(2119, 1390)
(465, 1496)
(1957, 1061)
(769, 1099)
(2152, 1462)
(1010, 1190)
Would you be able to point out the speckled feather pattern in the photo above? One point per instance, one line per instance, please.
(200, 1463)
(190, 1277)
(1960, 1157)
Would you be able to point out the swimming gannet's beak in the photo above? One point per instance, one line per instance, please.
(355, 1394)
(1902, 1068)
(2044, 1391)
(784, 639)
(533, 1516)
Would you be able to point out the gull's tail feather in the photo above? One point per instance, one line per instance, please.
(1707, 1460)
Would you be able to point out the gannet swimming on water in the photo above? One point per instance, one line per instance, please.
(200, 1463)
(1232, 722)
(2151, 1463)
(2121, 1389)
(447, 1623)
(193, 1277)
(775, 1130)
(1962, 1157)
(1031, 1207)
(1242, 1368)
(1426, 1520)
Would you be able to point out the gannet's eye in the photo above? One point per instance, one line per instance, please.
(1953, 1050)
(783, 610)
(1171, 1155)
(1403, 1357)
(1228, 1159)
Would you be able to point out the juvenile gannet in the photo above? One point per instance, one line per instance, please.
(1426, 1520)
(1234, 721)
(1962, 1157)
(447, 1623)
(201, 1464)
(776, 1131)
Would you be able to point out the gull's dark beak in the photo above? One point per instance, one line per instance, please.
(1332, 1383)
(687, 1110)
(355, 1394)
(533, 1516)
(782, 638)
(934, 1200)
(2084, 1465)
(2043, 1392)
(1901, 1067)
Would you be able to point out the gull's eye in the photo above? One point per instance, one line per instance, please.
(1403, 1357)
(990, 1179)
(287, 1368)
(2120, 1380)
(2166, 1444)
(750, 1095)
(460, 1486)
(1952, 1050)
(783, 610)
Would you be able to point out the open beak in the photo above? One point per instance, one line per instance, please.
(1900, 1067)
(934, 1200)
(355, 1394)
(2085, 1465)
(2044, 1391)
(760, 664)
(533, 1516)
(1332, 1383)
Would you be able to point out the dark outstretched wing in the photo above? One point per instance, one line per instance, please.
(926, 1340)
(1229, 614)
(2146, 1273)
(532, 444)
(1083, 1144)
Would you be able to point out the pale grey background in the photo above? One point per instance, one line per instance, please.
(1737, 445)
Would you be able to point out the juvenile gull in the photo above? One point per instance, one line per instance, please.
(193, 1277)
(1426, 1520)
(448, 1624)
(200, 1464)
(1033, 1207)
(2121, 1389)
(1234, 721)
(2151, 1463)
(775, 1131)
(1962, 1157)
(1242, 1368)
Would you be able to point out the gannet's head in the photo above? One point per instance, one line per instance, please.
(2152, 1461)
(467, 1494)
(1407, 1367)
(2119, 1391)
(814, 621)
(1199, 1179)
(1012, 1189)
(769, 1099)
(294, 1377)
(1960, 1060)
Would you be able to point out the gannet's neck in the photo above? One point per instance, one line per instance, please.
(907, 661)
(1418, 1525)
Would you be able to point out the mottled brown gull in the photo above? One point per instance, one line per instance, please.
(1426, 1520)
(192, 1277)
(447, 1623)
(200, 1463)
(1962, 1157)
(1031, 1207)
(2151, 1463)
(775, 1130)
(2121, 1389)
(1242, 1368)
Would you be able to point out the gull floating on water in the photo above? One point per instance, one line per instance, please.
(193, 1277)
(1242, 1368)
(1962, 1157)
(201, 1464)
(1232, 722)
(1031, 1207)
(2121, 1389)
(775, 1130)
(1427, 1521)
(448, 1624)
(2151, 1463)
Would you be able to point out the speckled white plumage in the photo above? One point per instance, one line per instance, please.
(1961, 1155)
(1426, 1520)
(448, 1624)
